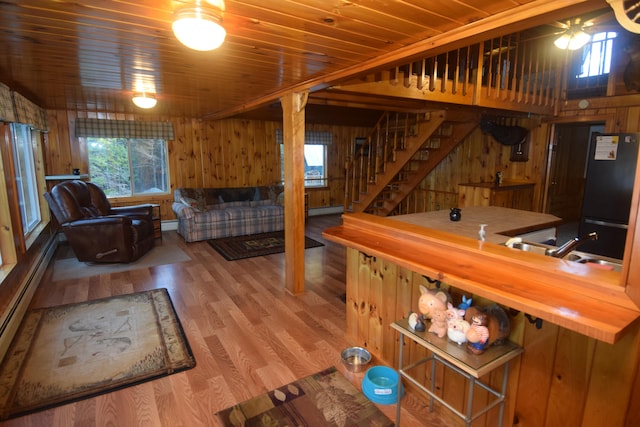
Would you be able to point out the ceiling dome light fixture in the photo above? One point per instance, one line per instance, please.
(199, 28)
(144, 100)
(572, 39)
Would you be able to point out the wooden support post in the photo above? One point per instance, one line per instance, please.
(293, 105)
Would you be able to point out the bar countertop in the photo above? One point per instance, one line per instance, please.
(575, 296)
(501, 223)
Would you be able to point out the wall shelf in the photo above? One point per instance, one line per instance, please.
(66, 177)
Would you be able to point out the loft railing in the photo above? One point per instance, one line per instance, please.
(511, 72)
(504, 72)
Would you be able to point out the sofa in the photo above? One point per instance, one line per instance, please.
(212, 213)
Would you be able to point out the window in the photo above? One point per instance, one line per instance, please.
(128, 166)
(25, 177)
(315, 157)
(591, 66)
(597, 55)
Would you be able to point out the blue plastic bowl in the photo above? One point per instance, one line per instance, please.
(380, 385)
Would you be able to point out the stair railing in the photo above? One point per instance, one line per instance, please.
(371, 157)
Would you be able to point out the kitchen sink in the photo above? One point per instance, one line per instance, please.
(603, 263)
(575, 256)
(536, 248)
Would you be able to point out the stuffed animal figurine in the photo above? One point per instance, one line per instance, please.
(439, 323)
(478, 334)
(466, 303)
(431, 301)
(457, 330)
(497, 322)
(454, 313)
(416, 322)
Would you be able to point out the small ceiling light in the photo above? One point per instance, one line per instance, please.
(144, 100)
(572, 40)
(199, 28)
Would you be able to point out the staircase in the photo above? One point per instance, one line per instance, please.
(399, 153)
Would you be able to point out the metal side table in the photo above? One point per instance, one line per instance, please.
(456, 357)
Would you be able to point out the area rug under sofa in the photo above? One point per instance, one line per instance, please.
(253, 245)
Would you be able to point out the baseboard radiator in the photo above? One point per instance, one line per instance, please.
(11, 318)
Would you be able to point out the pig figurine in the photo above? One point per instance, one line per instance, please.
(431, 301)
(454, 313)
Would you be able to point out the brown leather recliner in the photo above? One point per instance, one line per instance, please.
(96, 231)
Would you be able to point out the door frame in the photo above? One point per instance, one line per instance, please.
(609, 124)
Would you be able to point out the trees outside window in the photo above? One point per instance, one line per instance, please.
(129, 167)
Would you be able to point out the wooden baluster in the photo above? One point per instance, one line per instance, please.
(408, 74)
(433, 74)
(467, 72)
(514, 75)
(445, 74)
(421, 77)
(499, 67)
(456, 75)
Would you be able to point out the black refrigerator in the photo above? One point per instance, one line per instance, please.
(611, 168)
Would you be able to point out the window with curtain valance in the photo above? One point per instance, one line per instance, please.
(104, 128)
(127, 157)
(315, 156)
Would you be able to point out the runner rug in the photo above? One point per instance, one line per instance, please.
(253, 245)
(71, 268)
(74, 351)
(326, 398)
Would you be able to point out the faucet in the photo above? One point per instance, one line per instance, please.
(571, 245)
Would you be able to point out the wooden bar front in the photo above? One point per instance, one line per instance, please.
(578, 369)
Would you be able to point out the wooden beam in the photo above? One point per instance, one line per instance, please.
(293, 109)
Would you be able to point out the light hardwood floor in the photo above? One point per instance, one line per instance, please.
(247, 333)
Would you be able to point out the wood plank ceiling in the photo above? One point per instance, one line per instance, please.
(87, 55)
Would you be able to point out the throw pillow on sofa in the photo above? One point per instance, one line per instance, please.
(196, 205)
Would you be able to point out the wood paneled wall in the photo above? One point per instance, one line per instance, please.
(477, 159)
(223, 153)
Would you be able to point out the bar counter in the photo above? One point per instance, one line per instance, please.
(575, 296)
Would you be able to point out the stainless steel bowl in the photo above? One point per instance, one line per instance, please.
(356, 359)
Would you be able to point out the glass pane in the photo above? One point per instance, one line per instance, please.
(109, 165)
(315, 156)
(597, 60)
(25, 177)
(124, 167)
(314, 168)
(148, 160)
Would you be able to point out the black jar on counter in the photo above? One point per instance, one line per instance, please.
(455, 214)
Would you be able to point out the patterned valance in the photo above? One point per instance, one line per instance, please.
(28, 113)
(102, 128)
(6, 104)
(310, 137)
